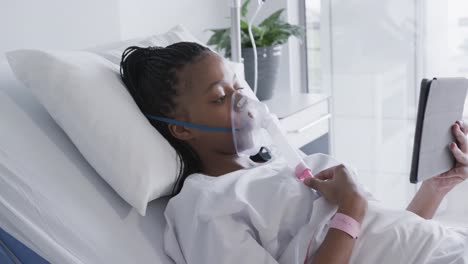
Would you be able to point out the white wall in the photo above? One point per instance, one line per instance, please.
(60, 24)
(57, 24)
(144, 17)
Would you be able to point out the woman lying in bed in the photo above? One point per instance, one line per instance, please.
(229, 209)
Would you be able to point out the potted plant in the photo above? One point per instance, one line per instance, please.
(269, 37)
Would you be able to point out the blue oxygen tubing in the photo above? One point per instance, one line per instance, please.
(182, 123)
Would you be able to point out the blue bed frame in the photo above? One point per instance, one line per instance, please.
(12, 251)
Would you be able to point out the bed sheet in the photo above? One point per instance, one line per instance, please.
(54, 202)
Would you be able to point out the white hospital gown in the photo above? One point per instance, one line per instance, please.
(266, 215)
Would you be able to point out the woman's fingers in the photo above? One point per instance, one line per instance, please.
(319, 179)
(313, 182)
(463, 126)
(459, 155)
(460, 136)
(325, 174)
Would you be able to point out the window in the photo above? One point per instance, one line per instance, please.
(445, 34)
(317, 45)
(370, 56)
(314, 70)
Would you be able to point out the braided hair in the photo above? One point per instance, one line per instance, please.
(151, 75)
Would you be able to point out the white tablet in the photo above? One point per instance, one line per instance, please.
(441, 103)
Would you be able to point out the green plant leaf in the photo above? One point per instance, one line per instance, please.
(244, 8)
(221, 39)
(216, 37)
(257, 33)
(271, 31)
(272, 19)
(280, 33)
(244, 25)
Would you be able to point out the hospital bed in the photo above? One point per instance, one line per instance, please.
(52, 200)
(54, 207)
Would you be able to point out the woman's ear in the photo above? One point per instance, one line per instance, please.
(180, 132)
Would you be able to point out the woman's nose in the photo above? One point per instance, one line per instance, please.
(231, 90)
(231, 93)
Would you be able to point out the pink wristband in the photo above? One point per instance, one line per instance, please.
(346, 224)
(302, 171)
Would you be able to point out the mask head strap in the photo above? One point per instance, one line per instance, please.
(181, 123)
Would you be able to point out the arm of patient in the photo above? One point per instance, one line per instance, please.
(338, 246)
(337, 186)
(425, 202)
(433, 190)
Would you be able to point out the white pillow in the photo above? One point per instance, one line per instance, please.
(84, 94)
(113, 52)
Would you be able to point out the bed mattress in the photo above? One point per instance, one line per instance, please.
(54, 202)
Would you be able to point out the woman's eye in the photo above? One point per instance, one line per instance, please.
(220, 100)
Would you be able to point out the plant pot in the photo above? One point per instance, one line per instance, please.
(268, 69)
